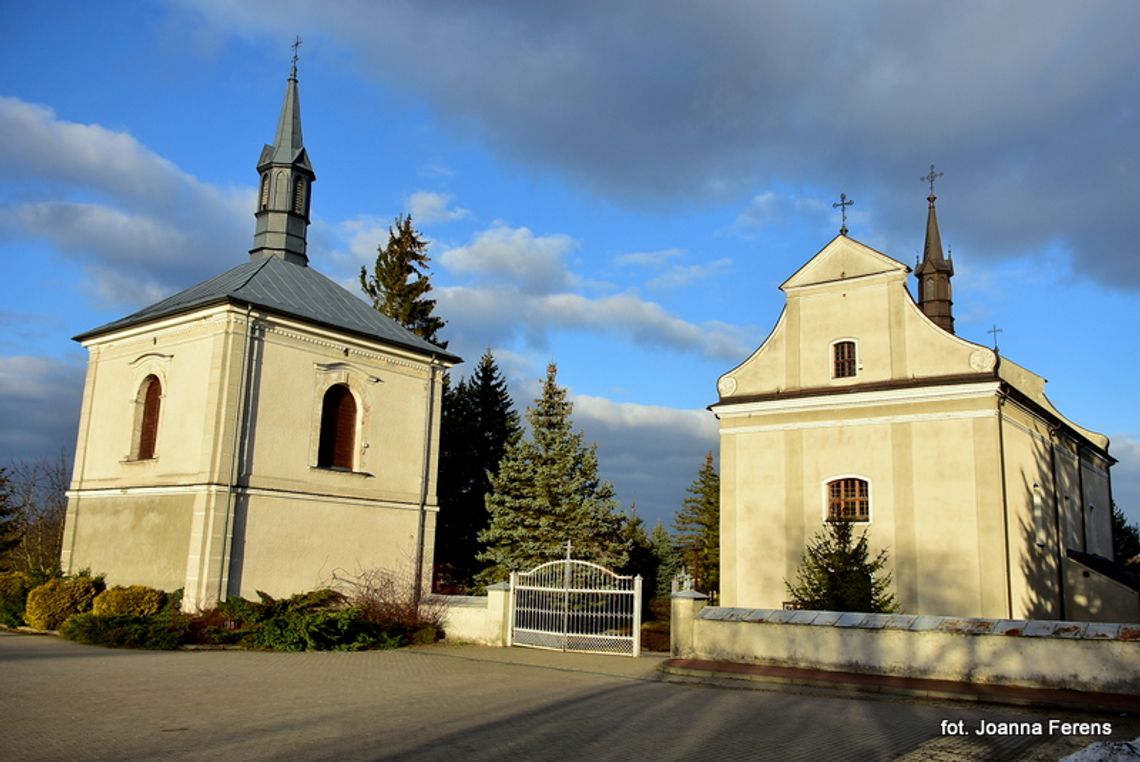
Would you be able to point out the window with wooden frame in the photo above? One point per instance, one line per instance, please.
(848, 499)
(337, 447)
(150, 397)
(844, 355)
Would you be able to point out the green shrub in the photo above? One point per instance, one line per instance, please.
(136, 600)
(316, 621)
(314, 631)
(162, 632)
(50, 604)
(14, 589)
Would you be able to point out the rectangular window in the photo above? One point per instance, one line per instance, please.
(848, 500)
(844, 359)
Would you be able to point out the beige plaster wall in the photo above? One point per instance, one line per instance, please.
(276, 547)
(939, 650)
(193, 360)
(924, 511)
(1092, 597)
(297, 522)
(950, 462)
(138, 539)
(296, 369)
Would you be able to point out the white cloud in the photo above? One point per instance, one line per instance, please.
(427, 208)
(39, 404)
(682, 275)
(501, 314)
(522, 289)
(535, 264)
(706, 101)
(141, 222)
(650, 453)
(648, 258)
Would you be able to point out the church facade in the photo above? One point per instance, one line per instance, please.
(261, 430)
(863, 405)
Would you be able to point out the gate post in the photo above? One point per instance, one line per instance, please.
(637, 616)
(499, 613)
(510, 640)
(684, 607)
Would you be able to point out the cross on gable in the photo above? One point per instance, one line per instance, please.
(994, 332)
(843, 203)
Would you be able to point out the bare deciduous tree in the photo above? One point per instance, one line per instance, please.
(38, 493)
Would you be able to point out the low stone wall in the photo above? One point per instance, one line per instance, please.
(1030, 653)
(476, 619)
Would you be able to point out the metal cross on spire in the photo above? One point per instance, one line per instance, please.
(931, 177)
(994, 332)
(296, 45)
(843, 203)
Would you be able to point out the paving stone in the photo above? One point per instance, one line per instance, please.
(61, 701)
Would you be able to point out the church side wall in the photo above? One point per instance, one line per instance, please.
(158, 525)
(1097, 503)
(1034, 545)
(130, 518)
(939, 518)
(274, 549)
(180, 356)
(296, 369)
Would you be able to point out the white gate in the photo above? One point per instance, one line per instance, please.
(571, 605)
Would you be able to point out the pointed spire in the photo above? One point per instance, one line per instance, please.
(286, 179)
(934, 271)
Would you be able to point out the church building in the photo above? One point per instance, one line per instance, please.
(259, 431)
(863, 405)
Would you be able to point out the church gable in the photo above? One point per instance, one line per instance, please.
(843, 259)
(850, 323)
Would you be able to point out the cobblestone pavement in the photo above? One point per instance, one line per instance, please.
(59, 700)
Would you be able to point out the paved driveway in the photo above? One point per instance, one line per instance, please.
(59, 700)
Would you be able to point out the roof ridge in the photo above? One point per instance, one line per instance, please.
(256, 270)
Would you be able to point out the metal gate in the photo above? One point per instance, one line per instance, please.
(571, 605)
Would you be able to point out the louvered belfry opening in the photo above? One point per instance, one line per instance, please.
(338, 429)
(148, 431)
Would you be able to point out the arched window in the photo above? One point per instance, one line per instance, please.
(848, 499)
(150, 396)
(265, 191)
(338, 429)
(844, 355)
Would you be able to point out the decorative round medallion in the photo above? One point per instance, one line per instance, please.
(726, 386)
(982, 360)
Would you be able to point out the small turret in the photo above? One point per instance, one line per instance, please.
(286, 180)
(934, 271)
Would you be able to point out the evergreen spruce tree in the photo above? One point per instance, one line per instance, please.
(697, 525)
(642, 559)
(664, 549)
(1125, 540)
(399, 283)
(479, 422)
(547, 492)
(838, 574)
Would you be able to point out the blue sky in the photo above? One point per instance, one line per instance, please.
(617, 187)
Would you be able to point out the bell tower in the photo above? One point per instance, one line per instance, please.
(286, 180)
(934, 271)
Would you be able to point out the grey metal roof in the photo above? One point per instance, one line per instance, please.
(288, 289)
